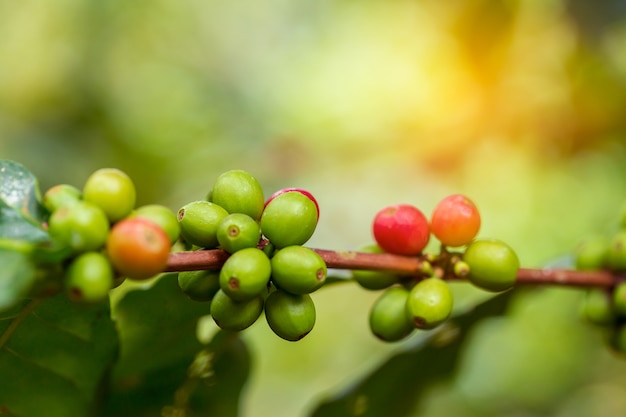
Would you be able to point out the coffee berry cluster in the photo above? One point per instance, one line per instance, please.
(267, 270)
(602, 306)
(424, 300)
(106, 239)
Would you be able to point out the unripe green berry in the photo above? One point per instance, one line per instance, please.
(616, 255)
(233, 315)
(388, 319)
(429, 303)
(199, 285)
(61, 195)
(374, 280)
(597, 307)
(238, 231)
(619, 299)
(245, 274)
(81, 226)
(298, 270)
(493, 264)
(112, 190)
(290, 316)
(198, 222)
(238, 192)
(591, 254)
(289, 219)
(89, 278)
(162, 216)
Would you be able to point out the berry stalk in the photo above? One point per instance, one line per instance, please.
(215, 258)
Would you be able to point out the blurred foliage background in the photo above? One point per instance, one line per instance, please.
(519, 104)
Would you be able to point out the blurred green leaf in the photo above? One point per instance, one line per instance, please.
(16, 277)
(54, 356)
(159, 344)
(396, 387)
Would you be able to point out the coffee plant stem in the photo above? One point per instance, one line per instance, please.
(405, 265)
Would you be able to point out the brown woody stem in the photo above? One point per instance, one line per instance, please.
(406, 265)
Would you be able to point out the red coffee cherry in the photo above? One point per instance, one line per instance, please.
(401, 229)
(455, 220)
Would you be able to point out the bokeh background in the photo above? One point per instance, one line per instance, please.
(520, 104)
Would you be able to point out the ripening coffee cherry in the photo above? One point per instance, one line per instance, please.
(245, 274)
(61, 195)
(429, 303)
(138, 248)
(89, 278)
(238, 231)
(238, 192)
(298, 270)
(81, 226)
(374, 280)
(616, 254)
(597, 307)
(199, 285)
(619, 299)
(162, 216)
(198, 222)
(388, 319)
(112, 190)
(233, 315)
(455, 220)
(290, 218)
(290, 316)
(306, 193)
(591, 254)
(493, 264)
(401, 229)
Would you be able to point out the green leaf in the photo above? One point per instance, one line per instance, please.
(21, 213)
(17, 276)
(396, 387)
(54, 356)
(158, 330)
(19, 189)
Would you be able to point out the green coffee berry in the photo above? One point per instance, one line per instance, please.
(198, 222)
(298, 270)
(374, 280)
(238, 231)
(238, 192)
(199, 285)
(591, 254)
(493, 264)
(89, 278)
(619, 299)
(81, 226)
(429, 303)
(233, 315)
(290, 316)
(616, 255)
(112, 190)
(289, 219)
(597, 307)
(162, 216)
(388, 319)
(245, 274)
(59, 196)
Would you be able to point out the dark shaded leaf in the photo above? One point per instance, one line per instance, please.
(157, 329)
(54, 356)
(17, 276)
(396, 387)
